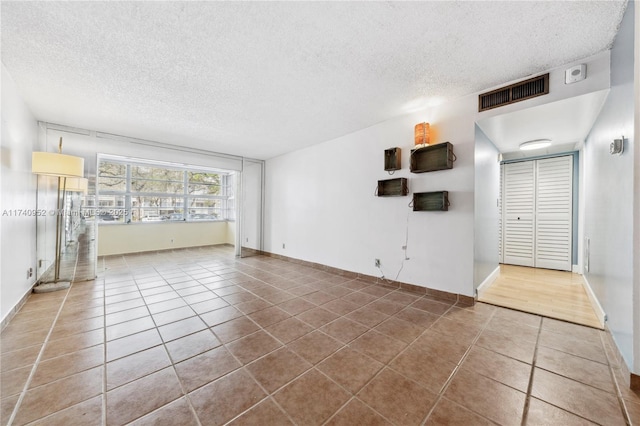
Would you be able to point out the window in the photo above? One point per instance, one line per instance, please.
(147, 192)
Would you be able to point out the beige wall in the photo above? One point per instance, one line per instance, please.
(139, 237)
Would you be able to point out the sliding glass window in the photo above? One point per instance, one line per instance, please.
(135, 191)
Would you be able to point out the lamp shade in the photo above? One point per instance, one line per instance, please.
(76, 185)
(421, 134)
(53, 164)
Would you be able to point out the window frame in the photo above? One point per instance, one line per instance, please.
(226, 193)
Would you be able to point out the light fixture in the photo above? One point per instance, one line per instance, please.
(63, 167)
(535, 144)
(56, 164)
(617, 146)
(76, 185)
(421, 134)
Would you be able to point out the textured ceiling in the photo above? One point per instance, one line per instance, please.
(259, 79)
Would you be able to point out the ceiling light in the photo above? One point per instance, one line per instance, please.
(535, 144)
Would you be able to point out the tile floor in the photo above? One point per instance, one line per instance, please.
(199, 337)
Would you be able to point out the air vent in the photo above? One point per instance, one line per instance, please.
(517, 92)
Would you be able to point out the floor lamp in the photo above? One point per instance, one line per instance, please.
(63, 167)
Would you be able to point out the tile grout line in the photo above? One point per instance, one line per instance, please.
(616, 384)
(387, 364)
(283, 345)
(185, 394)
(268, 395)
(446, 384)
(564, 409)
(313, 367)
(527, 400)
(36, 362)
(104, 354)
(164, 346)
(163, 342)
(344, 345)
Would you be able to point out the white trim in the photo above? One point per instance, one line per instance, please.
(594, 301)
(488, 281)
(576, 269)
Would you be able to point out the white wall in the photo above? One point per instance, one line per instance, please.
(140, 237)
(609, 195)
(251, 218)
(636, 227)
(487, 188)
(18, 242)
(320, 203)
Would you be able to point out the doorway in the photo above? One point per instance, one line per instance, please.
(250, 234)
(537, 213)
(537, 206)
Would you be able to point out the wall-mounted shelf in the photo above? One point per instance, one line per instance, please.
(430, 201)
(392, 159)
(392, 187)
(432, 158)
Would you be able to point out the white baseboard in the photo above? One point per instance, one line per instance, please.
(576, 269)
(488, 281)
(594, 301)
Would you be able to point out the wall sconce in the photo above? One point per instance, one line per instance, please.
(64, 167)
(421, 135)
(617, 146)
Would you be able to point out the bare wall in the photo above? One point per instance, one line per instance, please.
(321, 204)
(609, 196)
(140, 237)
(18, 195)
(487, 188)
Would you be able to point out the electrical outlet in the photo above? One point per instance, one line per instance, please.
(282, 245)
(377, 263)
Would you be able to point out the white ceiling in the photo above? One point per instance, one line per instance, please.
(259, 79)
(566, 123)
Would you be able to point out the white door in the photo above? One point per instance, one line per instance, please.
(518, 201)
(537, 213)
(554, 192)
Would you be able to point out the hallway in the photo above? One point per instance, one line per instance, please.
(554, 294)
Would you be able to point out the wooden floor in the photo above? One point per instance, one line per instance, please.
(554, 294)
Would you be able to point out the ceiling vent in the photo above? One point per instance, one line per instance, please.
(513, 93)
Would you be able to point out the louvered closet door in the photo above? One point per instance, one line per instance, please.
(518, 201)
(554, 213)
(500, 236)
